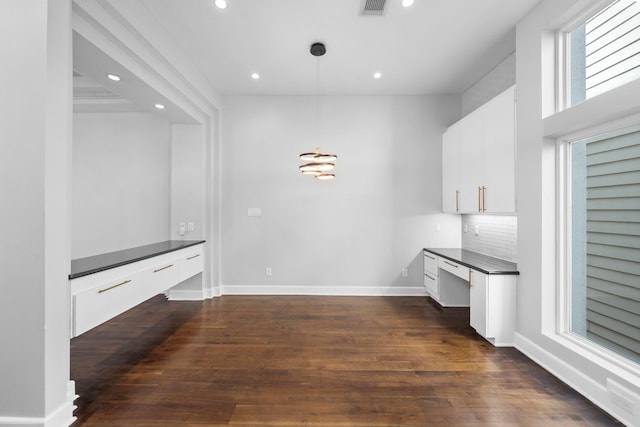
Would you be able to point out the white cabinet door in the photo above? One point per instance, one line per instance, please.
(492, 307)
(451, 169)
(478, 159)
(478, 302)
(471, 163)
(499, 192)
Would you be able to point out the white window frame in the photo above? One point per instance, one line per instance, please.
(563, 193)
(562, 126)
(564, 52)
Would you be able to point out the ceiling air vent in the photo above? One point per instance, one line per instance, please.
(373, 7)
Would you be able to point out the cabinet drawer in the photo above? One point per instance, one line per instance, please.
(454, 268)
(106, 300)
(191, 263)
(431, 285)
(430, 264)
(162, 276)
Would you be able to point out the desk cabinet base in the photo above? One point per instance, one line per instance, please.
(101, 296)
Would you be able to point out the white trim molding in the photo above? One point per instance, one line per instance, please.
(414, 291)
(579, 379)
(62, 416)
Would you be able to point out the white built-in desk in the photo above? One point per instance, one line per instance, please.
(106, 285)
(487, 285)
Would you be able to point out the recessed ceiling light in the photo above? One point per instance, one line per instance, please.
(113, 77)
(407, 3)
(222, 4)
(159, 106)
(255, 76)
(377, 75)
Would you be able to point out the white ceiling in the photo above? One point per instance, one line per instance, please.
(432, 47)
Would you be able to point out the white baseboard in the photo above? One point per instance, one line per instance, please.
(572, 376)
(62, 416)
(323, 290)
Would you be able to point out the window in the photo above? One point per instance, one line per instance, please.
(603, 51)
(604, 238)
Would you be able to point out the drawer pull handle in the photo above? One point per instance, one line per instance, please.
(452, 265)
(428, 256)
(114, 286)
(163, 268)
(429, 277)
(193, 256)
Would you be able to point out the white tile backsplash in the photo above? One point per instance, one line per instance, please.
(497, 235)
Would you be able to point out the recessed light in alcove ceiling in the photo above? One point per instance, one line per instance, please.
(95, 92)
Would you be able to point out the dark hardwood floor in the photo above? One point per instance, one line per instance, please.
(310, 361)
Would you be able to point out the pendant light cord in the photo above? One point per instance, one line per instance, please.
(317, 101)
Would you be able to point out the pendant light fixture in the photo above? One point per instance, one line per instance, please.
(318, 164)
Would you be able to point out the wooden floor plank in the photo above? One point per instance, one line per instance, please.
(310, 361)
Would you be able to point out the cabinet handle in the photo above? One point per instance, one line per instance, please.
(429, 277)
(193, 256)
(452, 265)
(163, 268)
(429, 256)
(457, 201)
(114, 286)
(484, 206)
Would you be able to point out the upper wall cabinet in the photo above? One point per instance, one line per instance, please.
(478, 159)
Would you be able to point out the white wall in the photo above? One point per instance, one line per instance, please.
(35, 149)
(121, 181)
(350, 235)
(188, 199)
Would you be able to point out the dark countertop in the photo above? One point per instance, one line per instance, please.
(93, 264)
(483, 263)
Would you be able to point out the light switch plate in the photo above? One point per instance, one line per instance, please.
(254, 212)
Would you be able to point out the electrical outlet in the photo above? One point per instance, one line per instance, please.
(268, 271)
(438, 228)
(404, 272)
(190, 226)
(465, 228)
(181, 228)
(477, 230)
